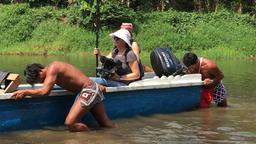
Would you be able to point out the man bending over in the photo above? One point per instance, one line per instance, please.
(211, 75)
(72, 79)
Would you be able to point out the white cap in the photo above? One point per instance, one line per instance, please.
(122, 34)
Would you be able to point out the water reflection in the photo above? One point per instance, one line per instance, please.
(232, 125)
(17, 64)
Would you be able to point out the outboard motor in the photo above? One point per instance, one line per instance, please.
(164, 62)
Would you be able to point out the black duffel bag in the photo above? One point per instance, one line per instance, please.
(164, 62)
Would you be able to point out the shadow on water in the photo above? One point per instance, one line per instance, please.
(232, 125)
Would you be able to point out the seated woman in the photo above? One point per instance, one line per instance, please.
(128, 71)
(135, 46)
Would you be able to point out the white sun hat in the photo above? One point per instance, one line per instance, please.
(122, 34)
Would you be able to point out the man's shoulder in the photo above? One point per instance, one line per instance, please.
(209, 62)
(56, 63)
(57, 66)
(135, 44)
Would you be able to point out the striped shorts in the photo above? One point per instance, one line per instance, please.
(219, 93)
(91, 95)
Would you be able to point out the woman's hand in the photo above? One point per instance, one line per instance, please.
(96, 51)
(102, 88)
(115, 77)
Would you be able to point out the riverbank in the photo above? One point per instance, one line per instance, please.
(48, 31)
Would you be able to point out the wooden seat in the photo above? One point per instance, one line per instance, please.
(11, 82)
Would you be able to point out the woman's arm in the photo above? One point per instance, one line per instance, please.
(135, 74)
(136, 49)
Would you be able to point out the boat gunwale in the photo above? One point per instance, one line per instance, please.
(146, 87)
(58, 91)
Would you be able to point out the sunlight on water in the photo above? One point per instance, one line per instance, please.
(232, 125)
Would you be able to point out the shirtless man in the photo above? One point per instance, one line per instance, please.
(211, 75)
(72, 79)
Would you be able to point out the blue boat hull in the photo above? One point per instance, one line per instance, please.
(146, 102)
(32, 113)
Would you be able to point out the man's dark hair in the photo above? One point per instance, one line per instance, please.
(32, 72)
(189, 59)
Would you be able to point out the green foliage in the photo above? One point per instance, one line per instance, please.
(196, 31)
(238, 6)
(52, 37)
(113, 15)
(16, 25)
(39, 3)
(47, 30)
(83, 14)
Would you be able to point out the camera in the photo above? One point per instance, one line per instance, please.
(107, 69)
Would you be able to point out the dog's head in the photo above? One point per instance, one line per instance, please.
(107, 63)
(108, 67)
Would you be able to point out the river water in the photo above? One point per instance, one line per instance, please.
(232, 125)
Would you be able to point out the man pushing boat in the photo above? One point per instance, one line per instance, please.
(211, 75)
(70, 78)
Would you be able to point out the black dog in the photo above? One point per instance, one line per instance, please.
(108, 67)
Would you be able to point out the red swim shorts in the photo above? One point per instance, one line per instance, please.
(206, 97)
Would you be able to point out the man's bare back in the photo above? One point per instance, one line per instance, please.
(209, 70)
(68, 77)
(63, 74)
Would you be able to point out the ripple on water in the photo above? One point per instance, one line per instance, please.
(225, 129)
(208, 133)
(174, 125)
(243, 134)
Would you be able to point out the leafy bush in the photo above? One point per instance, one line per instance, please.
(46, 30)
(197, 31)
(16, 24)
